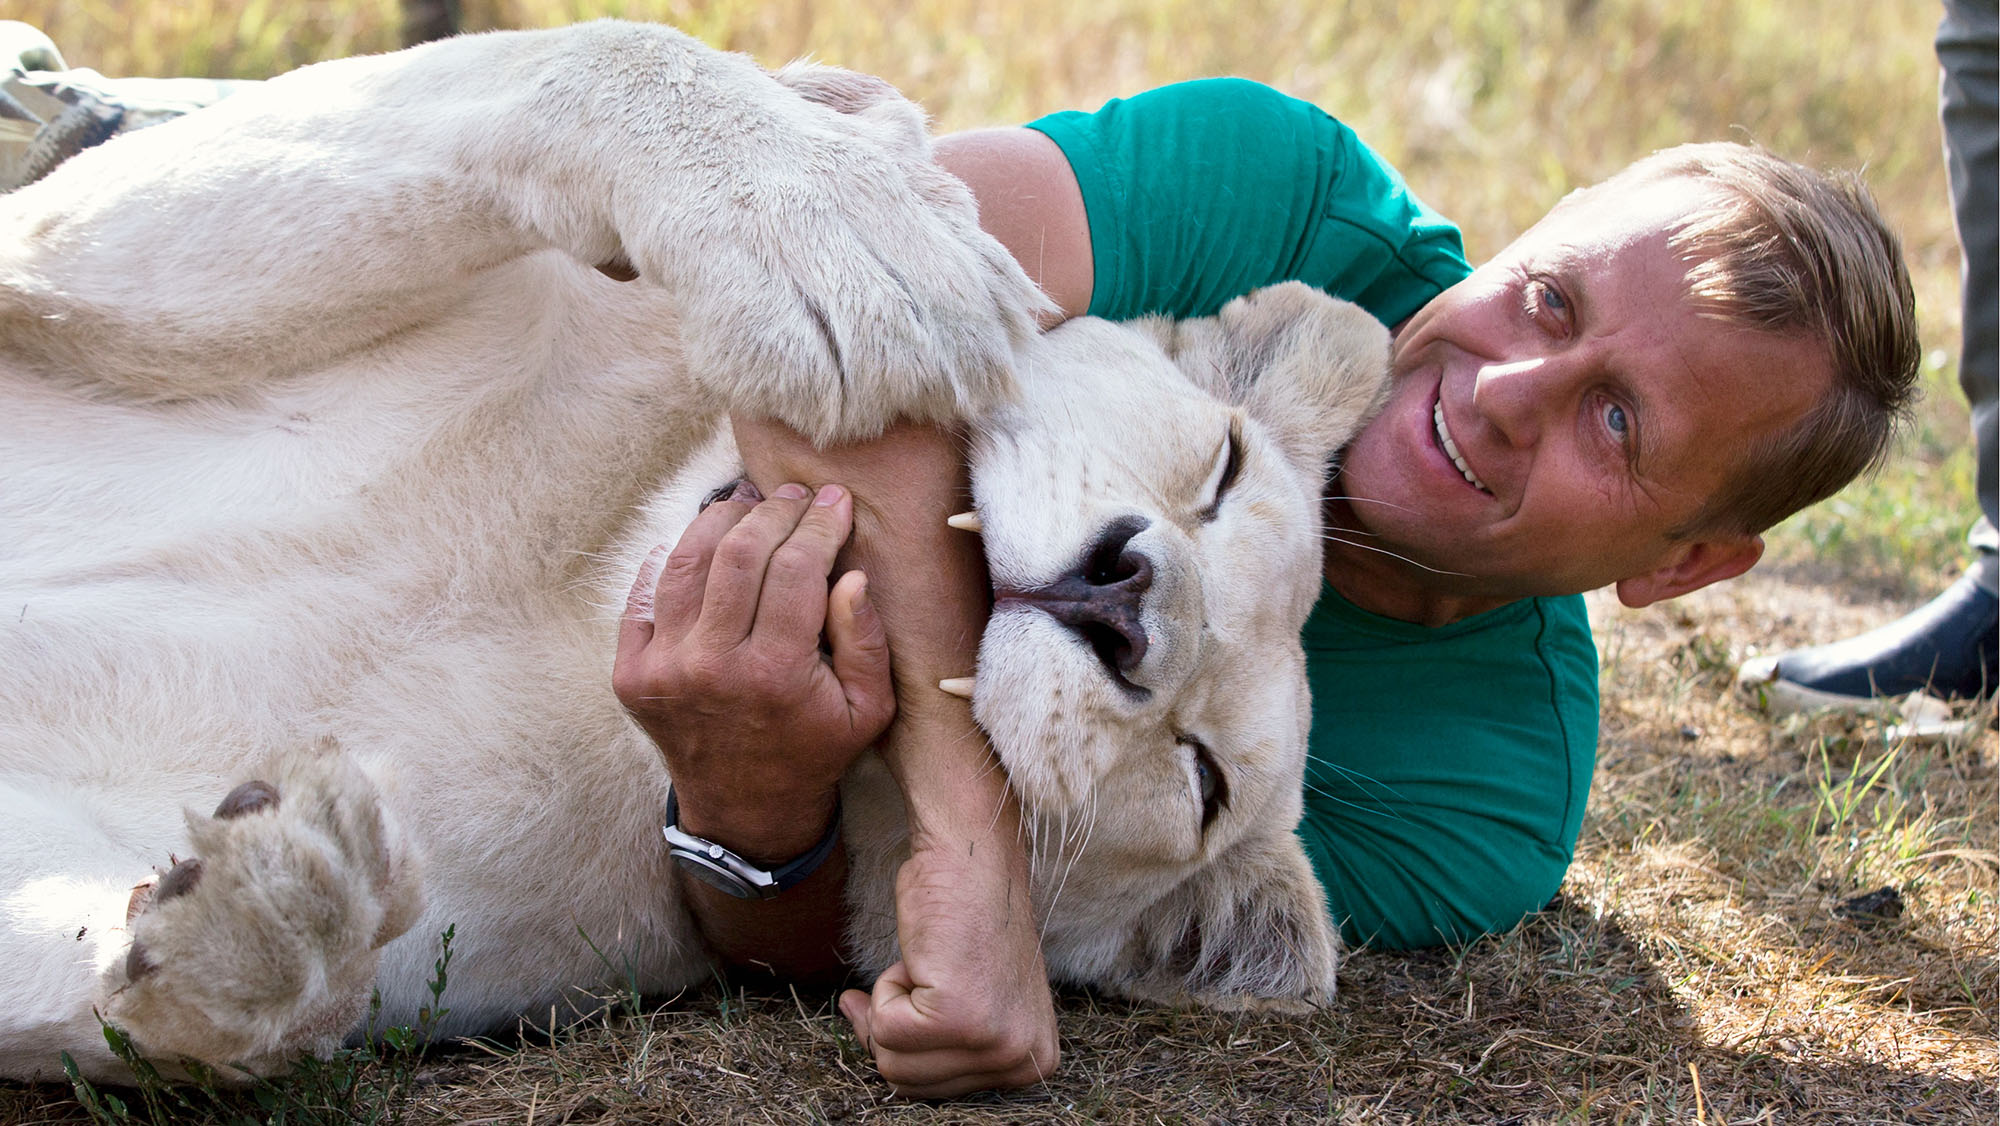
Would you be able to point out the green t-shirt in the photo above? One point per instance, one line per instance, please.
(1449, 766)
(1200, 192)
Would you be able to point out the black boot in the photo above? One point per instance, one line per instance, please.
(1948, 647)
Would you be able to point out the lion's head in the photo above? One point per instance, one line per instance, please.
(1150, 508)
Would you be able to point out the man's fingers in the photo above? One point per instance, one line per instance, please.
(946, 1072)
(958, 1085)
(854, 1006)
(736, 570)
(794, 606)
(635, 628)
(860, 652)
(922, 1056)
(683, 576)
(860, 1008)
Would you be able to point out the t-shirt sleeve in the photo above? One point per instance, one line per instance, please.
(1202, 191)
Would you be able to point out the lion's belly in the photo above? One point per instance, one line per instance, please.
(179, 576)
(536, 807)
(418, 568)
(217, 571)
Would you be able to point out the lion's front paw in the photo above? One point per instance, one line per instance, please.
(263, 945)
(848, 283)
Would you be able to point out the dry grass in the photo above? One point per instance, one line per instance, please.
(1694, 968)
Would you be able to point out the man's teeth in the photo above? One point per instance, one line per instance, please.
(1451, 448)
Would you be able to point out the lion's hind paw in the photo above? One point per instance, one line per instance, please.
(263, 945)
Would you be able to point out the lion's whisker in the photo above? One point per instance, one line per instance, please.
(1367, 780)
(1069, 864)
(1368, 500)
(1331, 537)
(1380, 808)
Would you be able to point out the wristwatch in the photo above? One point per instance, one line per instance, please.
(721, 868)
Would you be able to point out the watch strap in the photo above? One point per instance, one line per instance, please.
(722, 868)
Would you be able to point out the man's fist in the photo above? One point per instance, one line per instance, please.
(968, 1007)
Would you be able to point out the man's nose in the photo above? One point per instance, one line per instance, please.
(1515, 396)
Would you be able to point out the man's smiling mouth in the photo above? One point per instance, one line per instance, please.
(1451, 448)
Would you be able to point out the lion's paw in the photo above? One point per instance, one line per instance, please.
(262, 947)
(848, 283)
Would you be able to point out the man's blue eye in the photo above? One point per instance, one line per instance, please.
(1614, 417)
(1548, 306)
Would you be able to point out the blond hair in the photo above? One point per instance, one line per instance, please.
(1783, 248)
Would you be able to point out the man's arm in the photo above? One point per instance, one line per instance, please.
(968, 1007)
(719, 661)
(962, 1011)
(1029, 200)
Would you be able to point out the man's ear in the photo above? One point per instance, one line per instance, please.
(1692, 566)
(1248, 931)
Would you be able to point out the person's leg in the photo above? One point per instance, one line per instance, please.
(1967, 48)
(1948, 645)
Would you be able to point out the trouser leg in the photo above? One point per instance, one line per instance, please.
(1949, 645)
(1969, 54)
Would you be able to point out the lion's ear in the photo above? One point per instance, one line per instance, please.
(1249, 930)
(1309, 367)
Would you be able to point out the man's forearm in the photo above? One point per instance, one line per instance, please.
(928, 581)
(968, 1005)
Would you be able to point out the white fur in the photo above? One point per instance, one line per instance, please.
(328, 458)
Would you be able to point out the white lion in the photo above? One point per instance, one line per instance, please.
(326, 458)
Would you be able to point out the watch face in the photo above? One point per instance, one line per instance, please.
(714, 875)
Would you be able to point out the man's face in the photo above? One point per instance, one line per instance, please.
(1592, 407)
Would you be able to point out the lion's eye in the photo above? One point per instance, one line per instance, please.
(1228, 462)
(1205, 779)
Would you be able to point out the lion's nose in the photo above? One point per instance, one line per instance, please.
(1101, 599)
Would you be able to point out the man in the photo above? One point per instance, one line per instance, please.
(1663, 367)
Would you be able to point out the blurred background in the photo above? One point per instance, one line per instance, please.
(1492, 111)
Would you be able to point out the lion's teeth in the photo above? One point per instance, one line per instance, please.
(965, 522)
(1451, 448)
(957, 686)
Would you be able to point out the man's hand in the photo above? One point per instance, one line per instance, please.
(719, 661)
(968, 1007)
